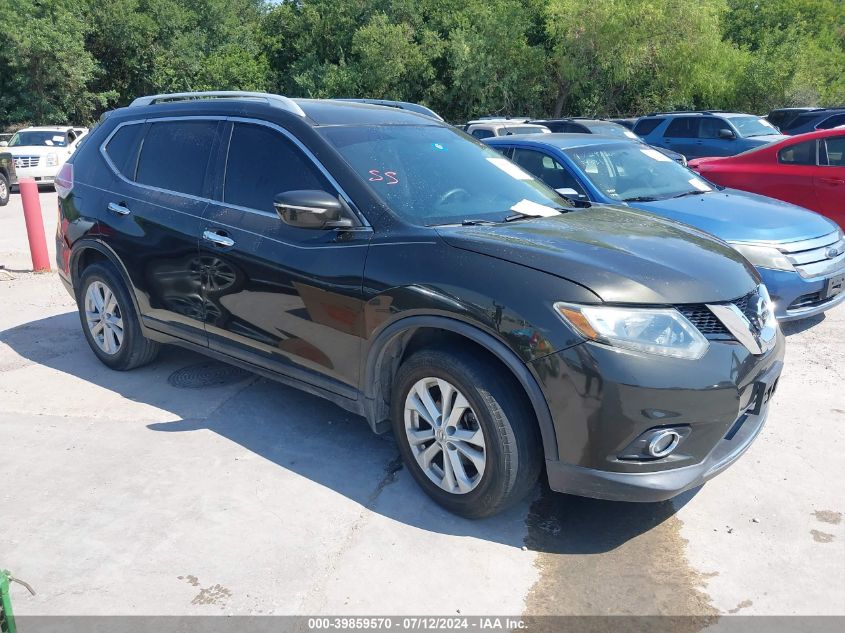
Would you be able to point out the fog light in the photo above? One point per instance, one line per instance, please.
(656, 443)
(663, 442)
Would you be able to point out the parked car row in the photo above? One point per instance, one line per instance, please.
(388, 262)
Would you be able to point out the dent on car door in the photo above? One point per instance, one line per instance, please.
(154, 217)
(830, 179)
(278, 296)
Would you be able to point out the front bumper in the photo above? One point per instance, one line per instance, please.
(41, 175)
(602, 400)
(798, 298)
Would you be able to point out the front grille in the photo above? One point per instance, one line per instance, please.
(706, 322)
(816, 257)
(22, 162)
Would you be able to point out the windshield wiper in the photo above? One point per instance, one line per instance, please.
(641, 199)
(477, 222)
(697, 192)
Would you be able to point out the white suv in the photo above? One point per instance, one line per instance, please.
(488, 128)
(39, 152)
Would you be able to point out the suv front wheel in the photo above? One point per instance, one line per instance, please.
(109, 320)
(465, 431)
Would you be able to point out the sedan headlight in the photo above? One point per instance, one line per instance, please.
(763, 256)
(662, 331)
(52, 159)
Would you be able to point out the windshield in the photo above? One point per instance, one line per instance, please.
(48, 138)
(752, 126)
(633, 171)
(435, 175)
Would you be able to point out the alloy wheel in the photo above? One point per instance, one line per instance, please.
(445, 436)
(104, 317)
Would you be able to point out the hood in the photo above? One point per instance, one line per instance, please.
(734, 215)
(763, 140)
(623, 255)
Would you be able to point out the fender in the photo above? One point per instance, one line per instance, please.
(90, 243)
(386, 342)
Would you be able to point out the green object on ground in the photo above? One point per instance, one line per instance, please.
(7, 619)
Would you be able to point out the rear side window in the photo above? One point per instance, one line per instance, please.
(646, 126)
(800, 121)
(122, 149)
(683, 127)
(263, 163)
(175, 155)
(832, 122)
(481, 133)
(798, 154)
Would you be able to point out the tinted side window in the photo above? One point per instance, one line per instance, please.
(122, 149)
(683, 127)
(547, 169)
(479, 133)
(263, 163)
(800, 121)
(777, 117)
(798, 154)
(646, 126)
(710, 127)
(832, 122)
(175, 155)
(835, 151)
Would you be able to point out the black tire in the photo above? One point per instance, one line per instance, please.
(511, 435)
(135, 349)
(5, 190)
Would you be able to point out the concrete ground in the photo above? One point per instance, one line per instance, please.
(146, 493)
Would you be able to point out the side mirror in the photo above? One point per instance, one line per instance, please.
(310, 209)
(4, 143)
(726, 133)
(579, 200)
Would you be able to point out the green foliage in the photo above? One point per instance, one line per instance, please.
(68, 60)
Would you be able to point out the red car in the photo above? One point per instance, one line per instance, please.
(807, 170)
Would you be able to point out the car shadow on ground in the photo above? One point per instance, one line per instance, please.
(796, 327)
(331, 447)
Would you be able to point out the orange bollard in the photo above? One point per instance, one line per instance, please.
(34, 225)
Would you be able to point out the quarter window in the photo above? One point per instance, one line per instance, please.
(175, 155)
(263, 163)
(798, 154)
(122, 149)
(683, 127)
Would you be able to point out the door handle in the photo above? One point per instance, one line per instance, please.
(833, 181)
(217, 238)
(119, 208)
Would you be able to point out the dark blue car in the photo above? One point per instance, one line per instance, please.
(700, 134)
(780, 239)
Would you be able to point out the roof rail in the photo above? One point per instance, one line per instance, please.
(689, 112)
(279, 101)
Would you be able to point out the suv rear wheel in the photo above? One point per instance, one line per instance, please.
(465, 432)
(109, 320)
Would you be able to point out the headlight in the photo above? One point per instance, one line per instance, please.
(763, 256)
(52, 160)
(662, 331)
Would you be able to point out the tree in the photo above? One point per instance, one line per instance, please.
(46, 74)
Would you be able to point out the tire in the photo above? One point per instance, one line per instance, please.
(5, 190)
(122, 350)
(512, 454)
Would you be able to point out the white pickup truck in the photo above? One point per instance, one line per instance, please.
(39, 152)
